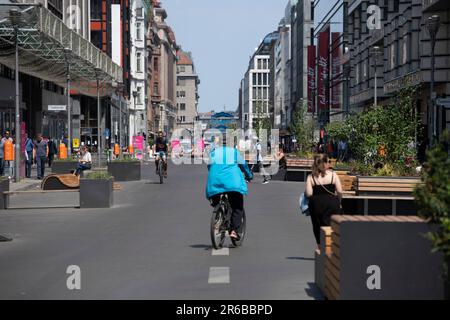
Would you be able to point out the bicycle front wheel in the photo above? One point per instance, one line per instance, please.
(217, 234)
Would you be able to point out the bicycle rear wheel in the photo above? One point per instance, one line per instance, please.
(160, 171)
(217, 234)
(238, 243)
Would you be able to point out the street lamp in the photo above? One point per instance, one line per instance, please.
(376, 51)
(135, 94)
(67, 52)
(15, 18)
(99, 149)
(433, 24)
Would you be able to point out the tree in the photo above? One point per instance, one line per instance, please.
(303, 129)
(433, 199)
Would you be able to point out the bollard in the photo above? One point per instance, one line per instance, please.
(62, 151)
(8, 151)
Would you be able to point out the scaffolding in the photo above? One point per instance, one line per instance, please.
(48, 48)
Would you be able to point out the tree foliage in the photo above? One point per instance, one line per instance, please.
(382, 134)
(261, 119)
(303, 129)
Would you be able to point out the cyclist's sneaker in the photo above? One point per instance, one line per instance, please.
(265, 182)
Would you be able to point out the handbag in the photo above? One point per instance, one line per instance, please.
(304, 204)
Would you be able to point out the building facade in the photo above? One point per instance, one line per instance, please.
(187, 91)
(139, 69)
(257, 85)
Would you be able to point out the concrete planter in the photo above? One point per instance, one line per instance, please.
(61, 167)
(96, 193)
(4, 186)
(125, 171)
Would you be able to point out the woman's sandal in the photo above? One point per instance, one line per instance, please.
(234, 235)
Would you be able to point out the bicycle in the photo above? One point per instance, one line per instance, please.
(160, 168)
(220, 224)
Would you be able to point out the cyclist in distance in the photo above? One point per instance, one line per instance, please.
(227, 169)
(161, 146)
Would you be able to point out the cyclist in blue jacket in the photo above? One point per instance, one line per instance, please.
(227, 169)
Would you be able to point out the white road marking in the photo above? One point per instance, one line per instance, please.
(221, 252)
(219, 275)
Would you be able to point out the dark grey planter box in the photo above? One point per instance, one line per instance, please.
(96, 193)
(4, 186)
(125, 171)
(63, 167)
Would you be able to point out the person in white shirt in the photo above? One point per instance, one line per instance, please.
(260, 162)
(85, 162)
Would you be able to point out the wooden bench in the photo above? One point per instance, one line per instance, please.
(298, 169)
(348, 182)
(386, 185)
(7, 194)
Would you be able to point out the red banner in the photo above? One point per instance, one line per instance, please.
(311, 78)
(323, 70)
(336, 70)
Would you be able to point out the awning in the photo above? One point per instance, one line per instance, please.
(42, 39)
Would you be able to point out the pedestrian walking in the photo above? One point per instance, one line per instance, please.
(260, 162)
(52, 151)
(40, 155)
(29, 146)
(324, 192)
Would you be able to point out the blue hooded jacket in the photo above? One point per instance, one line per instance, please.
(225, 172)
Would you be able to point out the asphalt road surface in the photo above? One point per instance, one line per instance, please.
(154, 244)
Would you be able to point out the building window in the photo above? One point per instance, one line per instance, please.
(259, 64)
(182, 118)
(156, 89)
(181, 68)
(254, 79)
(96, 38)
(182, 106)
(181, 82)
(405, 49)
(393, 55)
(139, 62)
(155, 65)
(357, 73)
(96, 9)
(181, 94)
(138, 31)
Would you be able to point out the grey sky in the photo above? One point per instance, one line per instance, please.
(222, 35)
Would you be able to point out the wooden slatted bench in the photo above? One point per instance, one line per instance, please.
(348, 182)
(354, 204)
(386, 185)
(388, 242)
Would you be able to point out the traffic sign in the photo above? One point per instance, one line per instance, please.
(56, 107)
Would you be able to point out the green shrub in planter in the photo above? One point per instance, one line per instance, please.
(96, 190)
(4, 186)
(433, 199)
(125, 169)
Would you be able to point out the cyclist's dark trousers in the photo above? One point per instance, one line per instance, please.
(164, 164)
(236, 200)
